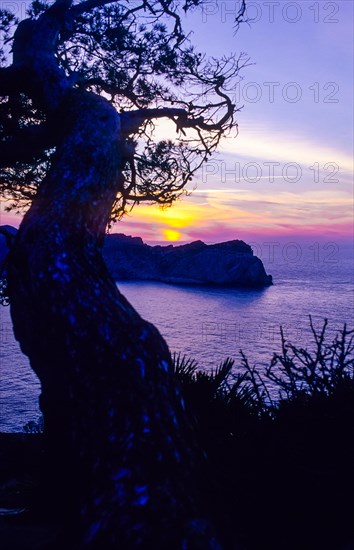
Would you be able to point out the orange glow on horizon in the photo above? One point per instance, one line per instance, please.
(171, 235)
(214, 214)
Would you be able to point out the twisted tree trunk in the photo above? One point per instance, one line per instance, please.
(117, 435)
(114, 421)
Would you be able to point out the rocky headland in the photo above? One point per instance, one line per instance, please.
(230, 263)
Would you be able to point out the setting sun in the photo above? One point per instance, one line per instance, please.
(171, 235)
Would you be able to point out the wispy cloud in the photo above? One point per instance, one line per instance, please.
(270, 145)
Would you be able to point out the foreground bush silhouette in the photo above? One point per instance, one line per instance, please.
(281, 442)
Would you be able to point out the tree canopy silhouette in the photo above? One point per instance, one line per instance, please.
(81, 100)
(136, 56)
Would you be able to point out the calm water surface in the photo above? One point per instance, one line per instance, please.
(210, 324)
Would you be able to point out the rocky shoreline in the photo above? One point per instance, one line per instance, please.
(230, 263)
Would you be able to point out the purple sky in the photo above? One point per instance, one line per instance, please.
(290, 171)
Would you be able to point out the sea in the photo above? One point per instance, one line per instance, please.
(210, 324)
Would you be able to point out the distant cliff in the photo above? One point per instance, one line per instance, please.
(230, 263)
(7, 234)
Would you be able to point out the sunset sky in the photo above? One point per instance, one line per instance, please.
(289, 173)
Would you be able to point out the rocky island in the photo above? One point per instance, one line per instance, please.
(231, 263)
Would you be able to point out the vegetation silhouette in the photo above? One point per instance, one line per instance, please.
(280, 442)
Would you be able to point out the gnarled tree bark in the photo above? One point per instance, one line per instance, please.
(117, 434)
(114, 419)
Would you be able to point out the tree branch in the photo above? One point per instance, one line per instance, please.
(34, 51)
(25, 145)
(52, 21)
(240, 17)
(39, 37)
(101, 83)
(178, 27)
(132, 120)
(88, 6)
